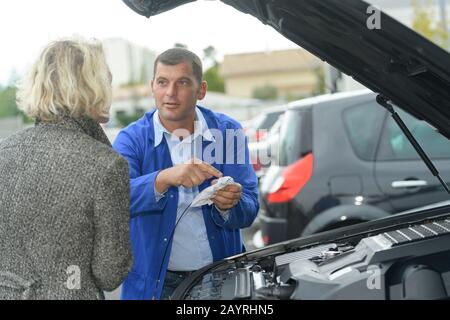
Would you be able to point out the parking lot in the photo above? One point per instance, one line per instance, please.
(334, 183)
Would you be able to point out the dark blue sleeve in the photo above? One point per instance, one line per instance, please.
(241, 170)
(142, 187)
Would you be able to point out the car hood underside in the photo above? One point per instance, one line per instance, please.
(393, 60)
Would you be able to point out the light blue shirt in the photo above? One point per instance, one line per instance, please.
(190, 245)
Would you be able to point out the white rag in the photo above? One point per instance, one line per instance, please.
(205, 196)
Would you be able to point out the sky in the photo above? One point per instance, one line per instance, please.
(26, 26)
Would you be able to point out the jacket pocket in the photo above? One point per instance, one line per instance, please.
(15, 287)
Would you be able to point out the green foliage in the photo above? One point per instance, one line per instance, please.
(295, 97)
(143, 78)
(125, 119)
(424, 22)
(26, 119)
(8, 106)
(209, 57)
(266, 92)
(180, 45)
(321, 86)
(210, 53)
(215, 82)
(212, 76)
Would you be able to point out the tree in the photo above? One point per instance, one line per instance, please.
(8, 106)
(215, 82)
(125, 119)
(424, 22)
(212, 76)
(209, 52)
(320, 87)
(143, 79)
(209, 56)
(266, 92)
(180, 45)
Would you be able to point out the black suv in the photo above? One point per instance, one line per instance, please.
(402, 256)
(343, 160)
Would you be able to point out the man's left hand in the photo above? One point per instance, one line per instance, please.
(228, 197)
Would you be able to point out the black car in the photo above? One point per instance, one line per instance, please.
(343, 160)
(404, 256)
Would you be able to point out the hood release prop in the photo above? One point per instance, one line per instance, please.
(384, 102)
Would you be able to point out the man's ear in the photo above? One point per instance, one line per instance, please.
(151, 85)
(202, 90)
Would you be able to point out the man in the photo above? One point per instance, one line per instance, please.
(173, 155)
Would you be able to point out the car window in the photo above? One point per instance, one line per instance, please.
(254, 123)
(363, 124)
(295, 136)
(276, 126)
(267, 120)
(395, 146)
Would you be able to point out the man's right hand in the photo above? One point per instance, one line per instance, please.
(188, 175)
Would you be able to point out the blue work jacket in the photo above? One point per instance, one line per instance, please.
(152, 223)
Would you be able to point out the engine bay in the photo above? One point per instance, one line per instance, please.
(411, 262)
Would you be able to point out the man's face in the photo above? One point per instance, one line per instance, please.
(176, 91)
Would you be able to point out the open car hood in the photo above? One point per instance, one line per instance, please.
(394, 60)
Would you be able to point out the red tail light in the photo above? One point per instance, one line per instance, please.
(266, 240)
(292, 180)
(260, 135)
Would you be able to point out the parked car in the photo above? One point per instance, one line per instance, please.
(343, 160)
(263, 151)
(402, 256)
(261, 125)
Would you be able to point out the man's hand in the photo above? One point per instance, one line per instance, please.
(228, 197)
(188, 175)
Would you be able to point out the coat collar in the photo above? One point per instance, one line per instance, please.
(83, 124)
(201, 128)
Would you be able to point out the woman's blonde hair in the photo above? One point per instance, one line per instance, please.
(72, 78)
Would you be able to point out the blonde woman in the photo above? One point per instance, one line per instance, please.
(64, 192)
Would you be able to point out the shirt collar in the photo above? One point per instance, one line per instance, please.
(200, 128)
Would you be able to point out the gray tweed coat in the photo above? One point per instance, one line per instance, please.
(64, 213)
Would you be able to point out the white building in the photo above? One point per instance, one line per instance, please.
(129, 63)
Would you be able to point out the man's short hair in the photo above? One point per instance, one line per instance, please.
(175, 56)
